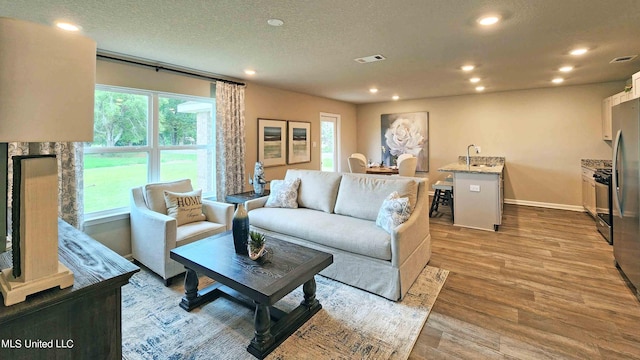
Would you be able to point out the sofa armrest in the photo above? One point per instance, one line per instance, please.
(218, 212)
(255, 203)
(408, 236)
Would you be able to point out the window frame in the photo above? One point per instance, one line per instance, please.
(153, 149)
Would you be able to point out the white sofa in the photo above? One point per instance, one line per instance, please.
(337, 214)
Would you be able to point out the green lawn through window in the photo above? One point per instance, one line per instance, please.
(108, 178)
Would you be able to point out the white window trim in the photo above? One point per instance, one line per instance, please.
(153, 149)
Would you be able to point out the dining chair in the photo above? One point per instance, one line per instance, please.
(357, 165)
(359, 156)
(403, 156)
(407, 165)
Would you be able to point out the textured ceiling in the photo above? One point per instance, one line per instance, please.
(424, 41)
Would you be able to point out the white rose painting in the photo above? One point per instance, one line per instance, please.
(406, 133)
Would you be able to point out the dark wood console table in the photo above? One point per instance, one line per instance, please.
(243, 197)
(80, 322)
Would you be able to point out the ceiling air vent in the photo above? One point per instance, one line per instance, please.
(622, 59)
(369, 59)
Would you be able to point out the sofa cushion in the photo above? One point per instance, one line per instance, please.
(346, 233)
(318, 189)
(184, 207)
(361, 196)
(393, 212)
(154, 193)
(284, 194)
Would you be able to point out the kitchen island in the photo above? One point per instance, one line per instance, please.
(478, 191)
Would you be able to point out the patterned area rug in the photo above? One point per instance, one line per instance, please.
(352, 324)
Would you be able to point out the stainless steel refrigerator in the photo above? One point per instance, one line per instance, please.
(626, 190)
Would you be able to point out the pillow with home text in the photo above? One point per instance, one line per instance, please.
(185, 207)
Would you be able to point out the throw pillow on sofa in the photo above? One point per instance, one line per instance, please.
(284, 194)
(185, 207)
(393, 212)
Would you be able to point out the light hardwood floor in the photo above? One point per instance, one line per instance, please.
(543, 287)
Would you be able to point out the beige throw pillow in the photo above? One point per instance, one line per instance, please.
(185, 207)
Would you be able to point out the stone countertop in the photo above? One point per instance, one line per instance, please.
(594, 164)
(461, 165)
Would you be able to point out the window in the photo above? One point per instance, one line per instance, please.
(144, 136)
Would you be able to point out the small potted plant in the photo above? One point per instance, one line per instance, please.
(256, 245)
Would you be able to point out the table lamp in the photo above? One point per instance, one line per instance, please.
(47, 83)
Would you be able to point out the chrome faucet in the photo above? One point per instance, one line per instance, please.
(468, 157)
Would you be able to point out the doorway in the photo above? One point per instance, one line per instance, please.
(329, 140)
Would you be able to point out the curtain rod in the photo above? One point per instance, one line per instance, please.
(158, 68)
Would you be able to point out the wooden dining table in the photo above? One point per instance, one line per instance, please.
(382, 170)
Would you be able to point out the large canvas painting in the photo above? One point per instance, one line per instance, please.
(406, 133)
(272, 148)
(299, 142)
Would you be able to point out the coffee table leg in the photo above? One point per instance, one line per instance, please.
(262, 322)
(309, 289)
(189, 301)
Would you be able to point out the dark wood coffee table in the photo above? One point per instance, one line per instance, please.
(256, 284)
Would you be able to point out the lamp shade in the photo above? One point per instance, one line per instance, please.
(47, 83)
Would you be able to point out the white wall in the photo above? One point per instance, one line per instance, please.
(543, 134)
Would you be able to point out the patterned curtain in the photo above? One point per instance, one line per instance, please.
(230, 139)
(70, 187)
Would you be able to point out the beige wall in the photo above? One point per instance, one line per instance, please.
(543, 134)
(260, 102)
(270, 103)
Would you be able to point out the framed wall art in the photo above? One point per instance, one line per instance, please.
(299, 142)
(272, 150)
(406, 133)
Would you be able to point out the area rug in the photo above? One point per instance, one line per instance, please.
(352, 324)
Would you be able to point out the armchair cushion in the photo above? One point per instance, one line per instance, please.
(154, 193)
(185, 207)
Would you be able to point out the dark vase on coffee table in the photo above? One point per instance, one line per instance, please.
(240, 228)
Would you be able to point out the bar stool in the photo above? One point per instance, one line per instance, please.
(443, 195)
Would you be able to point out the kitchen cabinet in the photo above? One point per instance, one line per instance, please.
(478, 190)
(606, 118)
(478, 200)
(607, 105)
(588, 191)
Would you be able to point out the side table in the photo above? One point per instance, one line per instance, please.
(242, 197)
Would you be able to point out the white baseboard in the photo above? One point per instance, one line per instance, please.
(577, 208)
(539, 204)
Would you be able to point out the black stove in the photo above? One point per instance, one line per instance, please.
(603, 176)
(604, 203)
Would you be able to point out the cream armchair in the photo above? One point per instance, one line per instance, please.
(154, 233)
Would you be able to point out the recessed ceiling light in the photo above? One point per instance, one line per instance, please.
(580, 51)
(467, 67)
(250, 72)
(395, 97)
(67, 26)
(479, 88)
(475, 79)
(566, 68)
(373, 90)
(488, 20)
(557, 80)
(275, 22)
